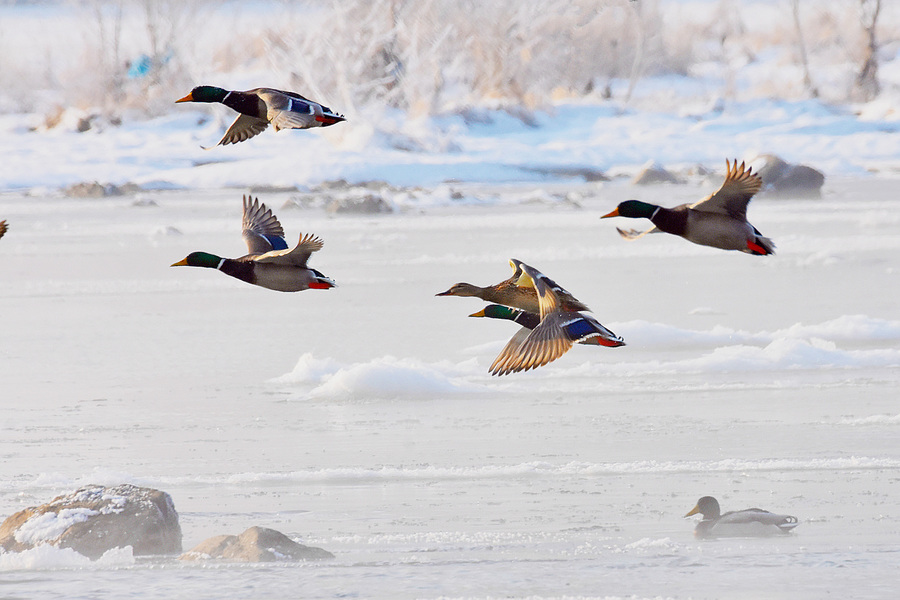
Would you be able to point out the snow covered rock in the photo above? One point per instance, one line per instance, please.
(653, 173)
(94, 519)
(585, 173)
(94, 189)
(257, 544)
(783, 179)
(366, 205)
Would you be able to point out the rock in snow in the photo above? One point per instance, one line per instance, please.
(94, 519)
(366, 205)
(94, 189)
(257, 544)
(782, 179)
(653, 173)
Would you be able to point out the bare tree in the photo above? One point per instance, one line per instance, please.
(867, 86)
(165, 21)
(637, 64)
(108, 18)
(801, 47)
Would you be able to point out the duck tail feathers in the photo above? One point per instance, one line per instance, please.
(761, 246)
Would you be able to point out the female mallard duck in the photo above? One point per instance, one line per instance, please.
(557, 327)
(270, 264)
(719, 220)
(509, 293)
(752, 522)
(261, 106)
(3, 227)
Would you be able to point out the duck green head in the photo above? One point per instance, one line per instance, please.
(205, 93)
(199, 259)
(495, 311)
(633, 209)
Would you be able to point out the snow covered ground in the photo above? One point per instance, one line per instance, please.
(363, 420)
(166, 152)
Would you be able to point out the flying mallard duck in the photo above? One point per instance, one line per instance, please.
(547, 332)
(583, 329)
(261, 106)
(509, 293)
(270, 264)
(752, 522)
(719, 220)
(3, 227)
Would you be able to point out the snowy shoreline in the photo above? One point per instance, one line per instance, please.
(165, 153)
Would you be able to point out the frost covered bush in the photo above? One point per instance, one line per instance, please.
(98, 55)
(431, 56)
(134, 53)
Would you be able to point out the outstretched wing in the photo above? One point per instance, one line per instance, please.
(517, 273)
(297, 256)
(566, 300)
(633, 234)
(546, 342)
(261, 229)
(288, 111)
(731, 199)
(531, 349)
(243, 128)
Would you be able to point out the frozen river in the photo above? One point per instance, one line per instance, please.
(363, 419)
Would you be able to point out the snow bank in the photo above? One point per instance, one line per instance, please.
(385, 377)
(165, 153)
(46, 557)
(543, 469)
(310, 369)
(796, 347)
(873, 420)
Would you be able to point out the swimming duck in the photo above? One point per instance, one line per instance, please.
(584, 329)
(719, 220)
(269, 264)
(3, 227)
(557, 330)
(751, 522)
(509, 293)
(261, 106)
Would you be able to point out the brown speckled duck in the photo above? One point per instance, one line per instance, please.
(509, 293)
(719, 220)
(269, 263)
(751, 522)
(3, 227)
(261, 106)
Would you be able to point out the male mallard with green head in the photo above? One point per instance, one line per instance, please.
(719, 220)
(750, 522)
(581, 329)
(269, 264)
(261, 106)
